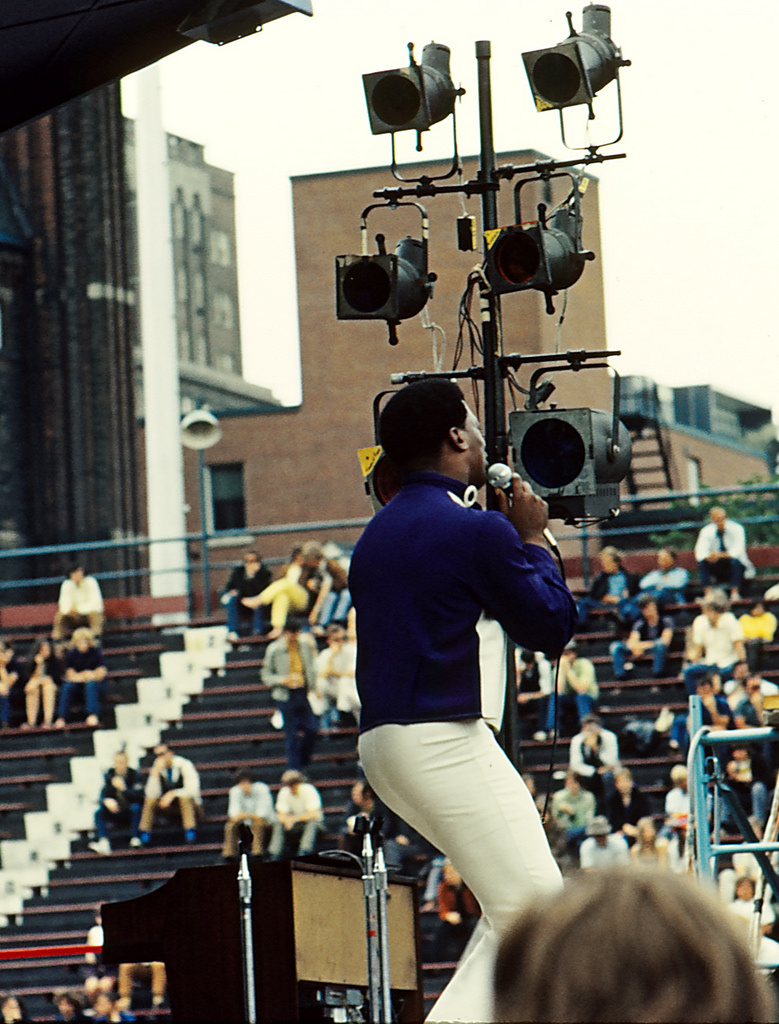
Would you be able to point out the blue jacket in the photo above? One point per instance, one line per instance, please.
(422, 575)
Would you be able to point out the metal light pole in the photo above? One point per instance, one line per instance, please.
(200, 430)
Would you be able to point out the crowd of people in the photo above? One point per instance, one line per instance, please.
(599, 819)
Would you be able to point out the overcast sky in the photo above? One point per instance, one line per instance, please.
(690, 219)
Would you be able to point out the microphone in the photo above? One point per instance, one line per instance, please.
(500, 475)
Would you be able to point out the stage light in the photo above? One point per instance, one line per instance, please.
(574, 71)
(541, 256)
(412, 98)
(223, 21)
(572, 459)
(387, 286)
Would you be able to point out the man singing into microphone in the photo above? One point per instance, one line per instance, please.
(433, 580)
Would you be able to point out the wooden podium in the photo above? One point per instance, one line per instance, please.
(308, 928)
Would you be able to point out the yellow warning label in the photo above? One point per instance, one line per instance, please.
(491, 236)
(368, 458)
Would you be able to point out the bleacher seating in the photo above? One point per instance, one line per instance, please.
(210, 704)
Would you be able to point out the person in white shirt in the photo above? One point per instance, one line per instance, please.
(173, 785)
(250, 803)
(602, 848)
(721, 553)
(594, 755)
(80, 604)
(299, 813)
(716, 641)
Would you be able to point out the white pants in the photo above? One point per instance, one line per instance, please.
(453, 783)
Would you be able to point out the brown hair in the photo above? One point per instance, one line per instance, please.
(628, 945)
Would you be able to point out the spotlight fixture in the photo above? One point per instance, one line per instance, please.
(412, 98)
(574, 71)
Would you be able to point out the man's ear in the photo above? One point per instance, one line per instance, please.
(458, 439)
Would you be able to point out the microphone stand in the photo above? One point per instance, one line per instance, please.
(374, 884)
(247, 945)
(380, 871)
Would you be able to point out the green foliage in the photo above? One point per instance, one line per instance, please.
(757, 511)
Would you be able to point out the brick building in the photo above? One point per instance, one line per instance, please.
(300, 464)
(67, 344)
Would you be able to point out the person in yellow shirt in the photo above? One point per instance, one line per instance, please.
(759, 627)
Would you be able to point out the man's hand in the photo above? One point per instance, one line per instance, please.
(526, 511)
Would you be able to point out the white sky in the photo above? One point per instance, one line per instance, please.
(689, 219)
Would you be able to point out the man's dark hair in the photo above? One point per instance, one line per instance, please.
(416, 421)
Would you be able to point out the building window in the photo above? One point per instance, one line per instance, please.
(221, 248)
(223, 313)
(228, 500)
(694, 478)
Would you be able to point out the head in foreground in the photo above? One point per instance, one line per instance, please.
(628, 945)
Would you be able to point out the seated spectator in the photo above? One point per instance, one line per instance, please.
(715, 712)
(573, 808)
(650, 633)
(602, 848)
(641, 738)
(674, 955)
(9, 675)
(747, 777)
(334, 677)
(759, 628)
(677, 813)
(626, 805)
(336, 601)
(12, 1008)
(70, 1005)
(458, 912)
(96, 976)
(149, 975)
(613, 589)
(121, 799)
(298, 591)
(721, 554)
(106, 1006)
(348, 702)
(735, 688)
(172, 789)
(534, 685)
(299, 817)
(743, 908)
(289, 669)
(577, 690)
(744, 864)
(666, 583)
(649, 848)
(748, 711)
(396, 834)
(716, 641)
(44, 674)
(594, 756)
(248, 803)
(85, 672)
(80, 604)
(246, 580)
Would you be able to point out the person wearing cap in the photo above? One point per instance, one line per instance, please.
(289, 669)
(299, 814)
(602, 848)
